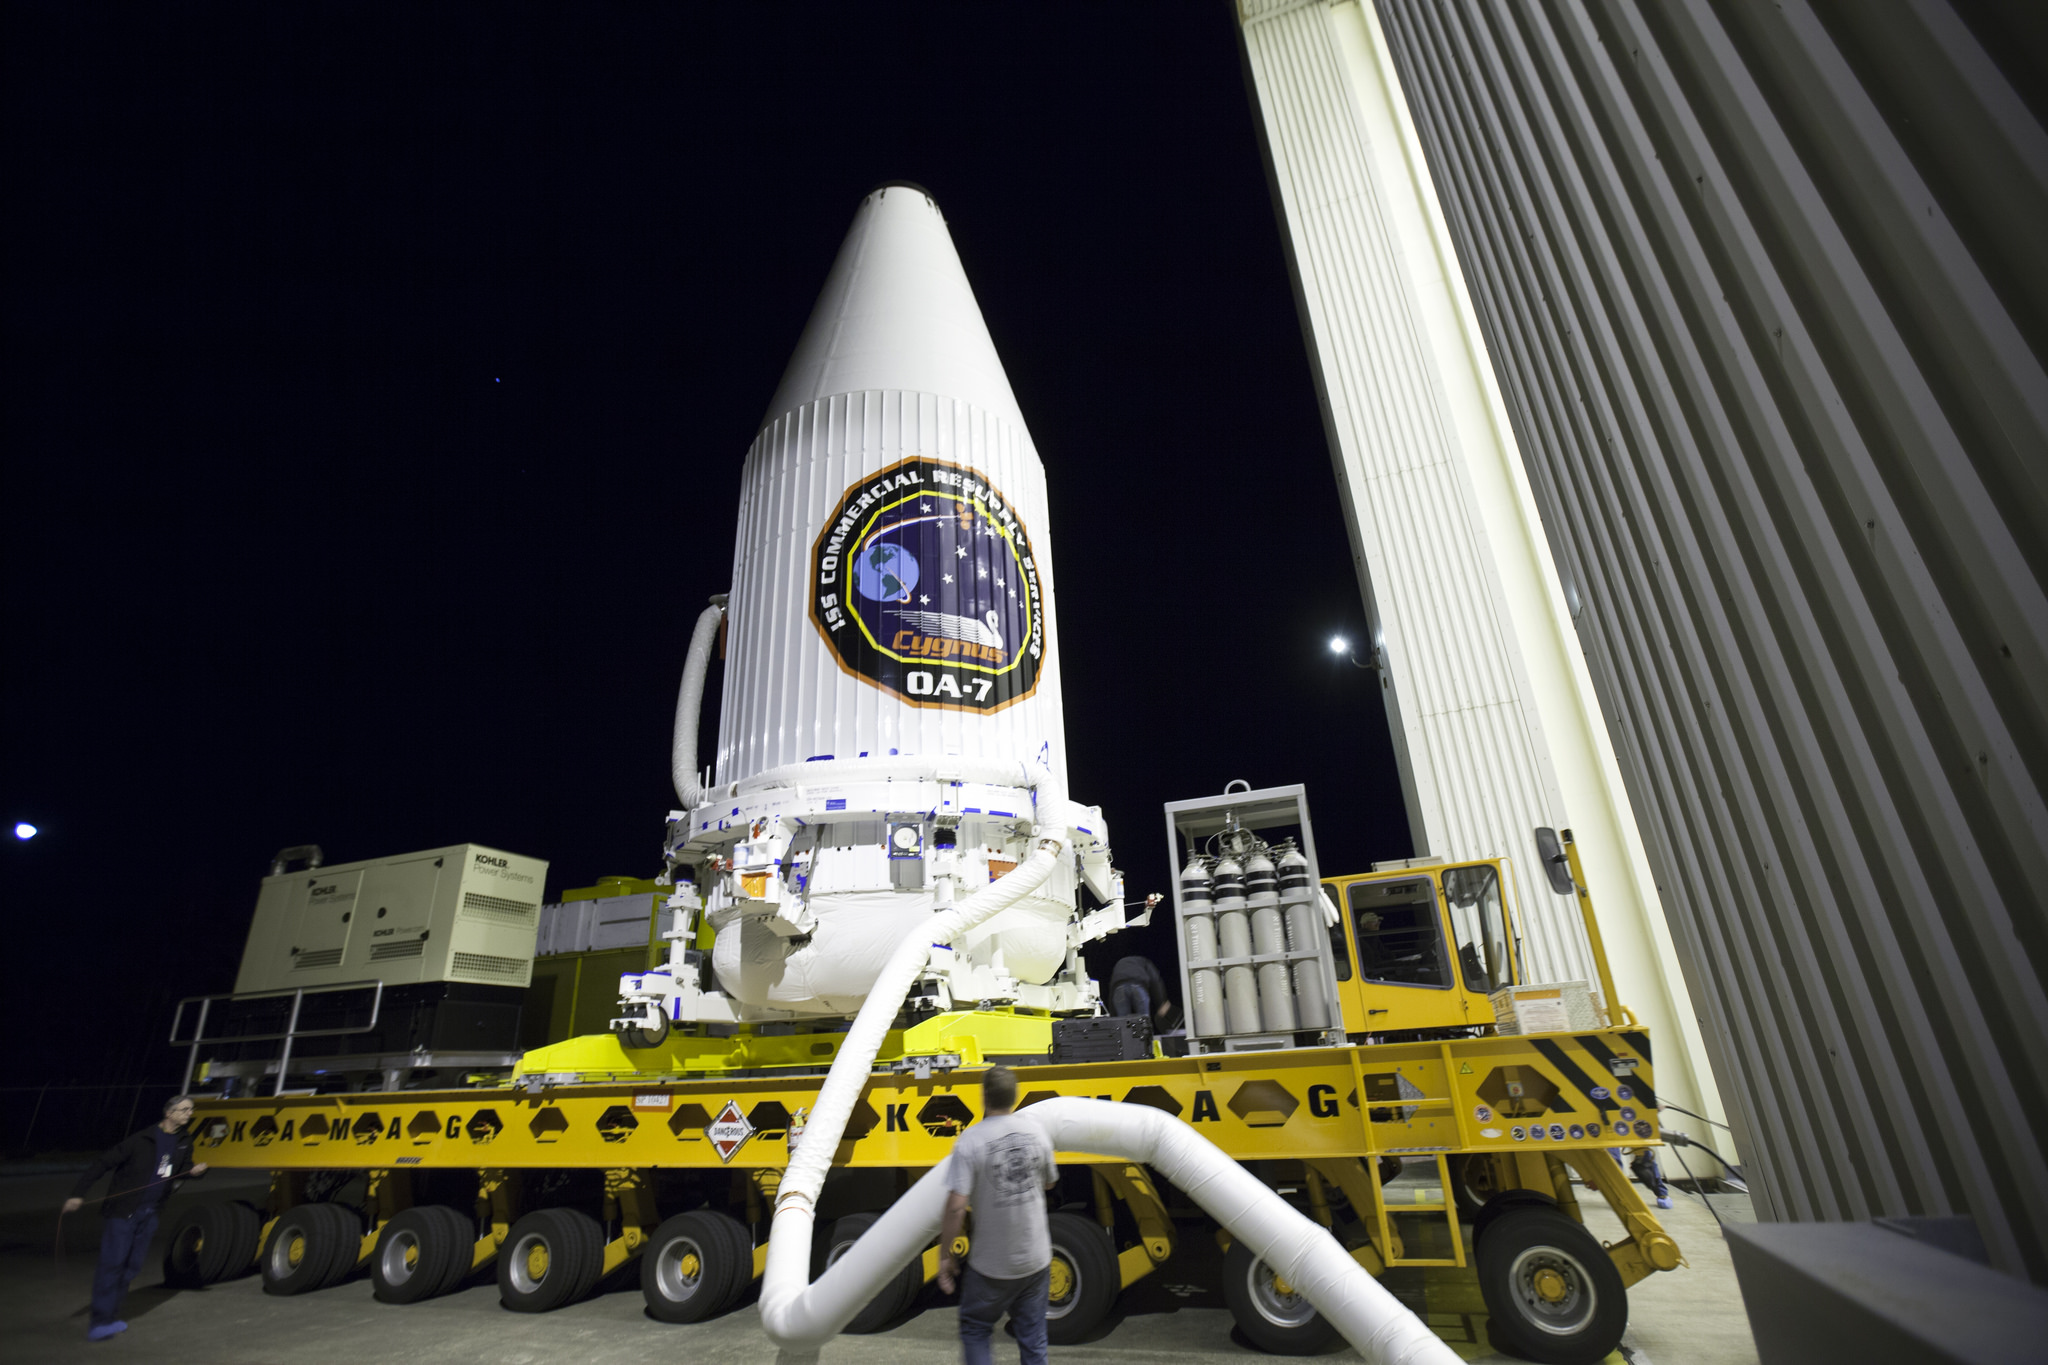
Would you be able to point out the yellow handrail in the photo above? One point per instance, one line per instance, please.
(1616, 1011)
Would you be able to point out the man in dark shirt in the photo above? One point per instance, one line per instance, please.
(1137, 988)
(145, 1166)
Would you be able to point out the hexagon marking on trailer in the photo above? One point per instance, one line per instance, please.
(688, 1122)
(424, 1128)
(1263, 1104)
(860, 1122)
(263, 1131)
(485, 1126)
(366, 1129)
(945, 1116)
(1518, 1091)
(314, 1128)
(1035, 1096)
(768, 1119)
(548, 1125)
(617, 1123)
(1154, 1097)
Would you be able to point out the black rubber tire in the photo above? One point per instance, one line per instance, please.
(347, 1242)
(1474, 1180)
(1090, 1259)
(724, 1252)
(1502, 1202)
(551, 1257)
(461, 1226)
(892, 1300)
(1523, 1246)
(413, 1255)
(1278, 1324)
(201, 1246)
(246, 1227)
(310, 1247)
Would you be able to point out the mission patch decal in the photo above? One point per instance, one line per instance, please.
(923, 584)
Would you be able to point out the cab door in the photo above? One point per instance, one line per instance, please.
(1482, 934)
(1395, 969)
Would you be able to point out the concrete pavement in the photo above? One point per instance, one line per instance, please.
(1174, 1317)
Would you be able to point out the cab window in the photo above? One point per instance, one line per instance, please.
(1400, 940)
(1480, 925)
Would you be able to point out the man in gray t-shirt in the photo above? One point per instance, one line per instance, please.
(1001, 1167)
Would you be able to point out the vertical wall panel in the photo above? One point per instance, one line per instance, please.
(1764, 291)
(1492, 708)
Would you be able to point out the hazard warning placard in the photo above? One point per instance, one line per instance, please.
(729, 1131)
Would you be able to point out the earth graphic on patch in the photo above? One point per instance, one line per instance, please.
(885, 572)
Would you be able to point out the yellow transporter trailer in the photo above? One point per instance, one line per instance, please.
(562, 1183)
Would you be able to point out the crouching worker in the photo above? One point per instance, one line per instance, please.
(1001, 1168)
(146, 1167)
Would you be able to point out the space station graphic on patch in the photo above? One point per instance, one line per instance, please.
(923, 583)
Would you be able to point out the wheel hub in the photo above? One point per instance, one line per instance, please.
(537, 1260)
(680, 1269)
(1277, 1301)
(1553, 1292)
(295, 1250)
(401, 1257)
(1062, 1285)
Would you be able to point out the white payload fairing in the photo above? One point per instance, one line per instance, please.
(891, 722)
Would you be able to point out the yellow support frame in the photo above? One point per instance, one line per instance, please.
(1335, 1109)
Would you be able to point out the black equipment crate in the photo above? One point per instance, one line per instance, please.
(1118, 1038)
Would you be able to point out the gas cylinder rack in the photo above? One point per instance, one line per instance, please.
(1257, 970)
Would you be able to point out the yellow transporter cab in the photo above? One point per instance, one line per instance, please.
(1420, 946)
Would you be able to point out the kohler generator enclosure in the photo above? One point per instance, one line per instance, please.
(461, 914)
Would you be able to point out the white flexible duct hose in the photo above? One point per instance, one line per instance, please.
(1300, 1251)
(1376, 1324)
(798, 1316)
(690, 705)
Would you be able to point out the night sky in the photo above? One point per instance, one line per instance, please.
(378, 379)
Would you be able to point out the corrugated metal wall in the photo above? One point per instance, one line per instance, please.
(1766, 290)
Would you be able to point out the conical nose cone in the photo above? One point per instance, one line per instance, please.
(896, 313)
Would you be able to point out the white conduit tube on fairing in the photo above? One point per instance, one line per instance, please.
(690, 705)
(799, 1317)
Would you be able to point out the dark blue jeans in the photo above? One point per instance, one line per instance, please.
(124, 1245)
(983, 1302)
(1129, 999)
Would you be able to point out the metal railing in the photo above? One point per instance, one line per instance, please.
(292, 1032)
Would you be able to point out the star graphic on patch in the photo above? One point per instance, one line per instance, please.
(945, 578)
(981, 571)
(923, 601)
(924, 507)
(960, 552)
(999, 580)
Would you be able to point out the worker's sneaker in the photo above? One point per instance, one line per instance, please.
(106, 1330)
(1663, 1201)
